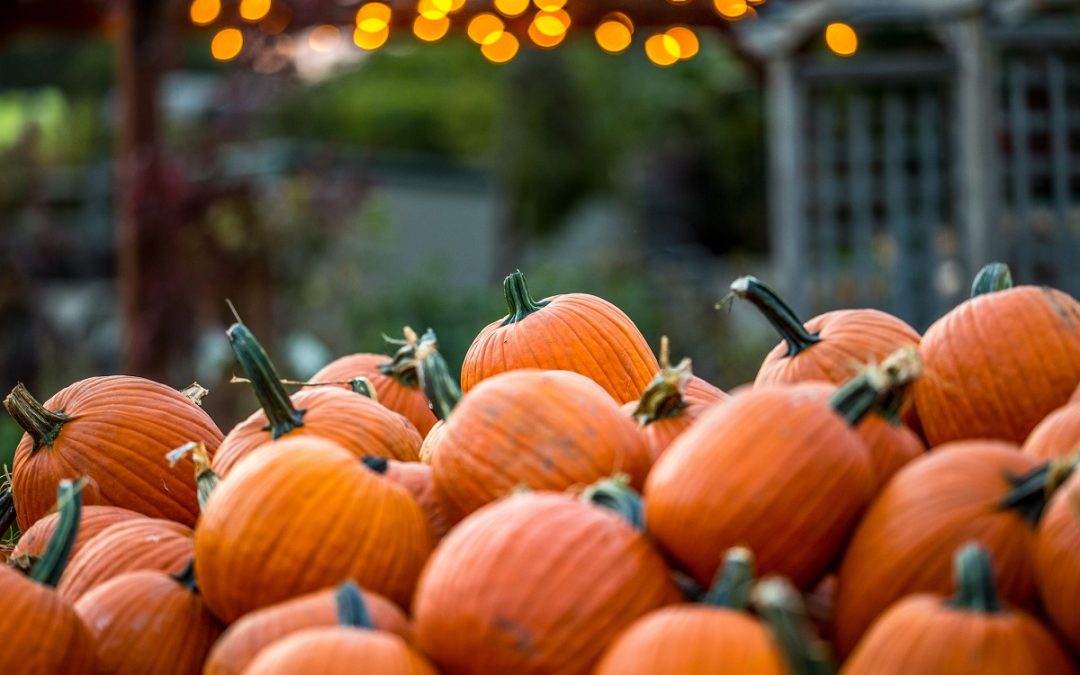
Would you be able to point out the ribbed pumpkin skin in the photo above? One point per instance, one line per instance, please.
(546, 430)
(850, 338)
(576, 332)
(42, 634)
(128, 546)
(243, 640)
(93, 520)
(688, 639)
(700, 391)
(402, 399)
(417, 478)
(340, 651)
(661, 433)
(147, 623)
(1057, 560)
(120, 431)
(997, 364)
(355, 422)
(920, 634)
(431, 442)
(905, 542)
(773, 469)
(302, 514)
(535, 583)
(1058, 435)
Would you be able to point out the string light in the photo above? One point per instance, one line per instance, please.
(502, 49)
(614, 34)
(204, 12)
(511, 7)
(546, 41)
(373, 17)
(549, 5)
(731, 9)
(686, 39)
(433, 9)
(370, 40)
(227, 44)
(552, 23)
(662, 49)
(485, 28)
(430, 30)
(253, 10)
(841, 39)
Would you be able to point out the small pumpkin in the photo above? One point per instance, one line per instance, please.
(253, 632)
(396, 382)
(417, 479)
(970, 632)
(1058, 435)
(339, 651)
(576, 331)
(93, 520)
(539, 582)
(149, 623)
(356, 422)
(115, 431)
(302, 514)
(998, 363)
(1057, 560)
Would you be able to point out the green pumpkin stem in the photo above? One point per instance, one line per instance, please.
(877, 389)
(779, 604)
(1032, 491)
(377, 464)
(186, 577)
(51, 564)
(43, 426)
(265, 381)
(351, 608)
(617, 495)
(403, 367)
(777, 312)
(992, 278)
(519, 304)
(363, 386)
(663, 398)
(976, 587)
(440, 387)
(734, 580)
(7, 510)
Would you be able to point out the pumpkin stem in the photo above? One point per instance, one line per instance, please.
(663, 397)
(265, 381)
(7, 510)
(186, 577)
(51, 564)
(363, 386)
(403, 366)
(878, 388)
(195, 393)
(351, 608)
(440, 387)
(617, 495)
(992, 278)
(777, 312)
(976, 587)
(1032, 491)
(377, 464)
(782, 608)
(206, 479)
(519, 303)
(42, 425)
(731, 587)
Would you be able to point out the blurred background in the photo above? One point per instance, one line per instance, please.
(340, 169)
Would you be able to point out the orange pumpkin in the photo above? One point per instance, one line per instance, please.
(998, 363)
(538, 583)
(1058, 435)
(356, 422)
(243, 641)
(302, 514)
(1057, 560)
(396, 383)
(972, 490)
(42, 633)
(116, 431)
(417, 479)
(971, 632)
(127, 546)
(576, 331)
(94, 519)
(149, 623)
(339, 651)
(543, 429)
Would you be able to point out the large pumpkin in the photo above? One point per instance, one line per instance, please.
(339, 651)
(302, 514)
(999, 363)
(970, 632)
(1058, 435)
(417, 479)
(356, 422)
(575, 331)
(536, 583)
(1057, 560)
(542, 429)
(971, 490)
(115, 431)
(93, 521)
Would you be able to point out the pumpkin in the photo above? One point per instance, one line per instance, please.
(243, 641)
(149, 623)
(127, 546)
(980, 490)
(576, 331)
(356, 422)
(114, 430)
(665, 409)
(302, 514)
(1058, 435)
(417, 479)
(396, 383)
(1057, 560)
(716, 636)
(42, 634)
(998, 363)
(539, 582)
(339, 651)
(93, 520)
(970, 632)
(543, 429)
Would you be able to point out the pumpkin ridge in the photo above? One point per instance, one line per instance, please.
(624, 347)
(597, 336)
(1000, 406)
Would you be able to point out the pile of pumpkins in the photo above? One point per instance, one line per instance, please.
(875, 502)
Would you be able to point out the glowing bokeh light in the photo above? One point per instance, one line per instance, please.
(613, 36)
(370, 40)
(688, 41)
(485, 28)
(502, 49)
(731, 9)
(203, 12)
(227, 44)
(254, 10)
(324, 38)
(546, 41)
(433, 9)
(549, 5)
(430, 30)
(841, 39)
(373, 17)
(662, 49)
(552, 24)
(511, 7)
